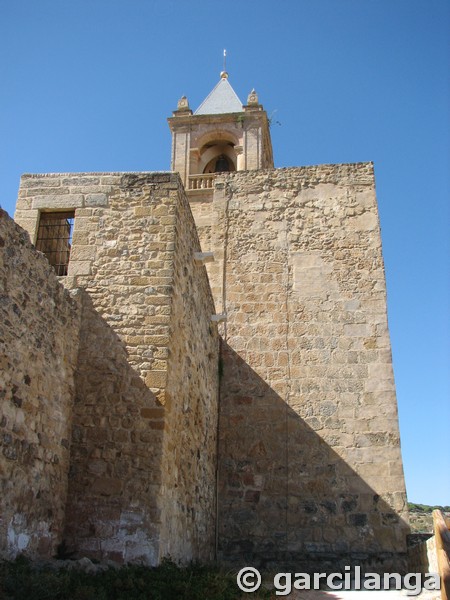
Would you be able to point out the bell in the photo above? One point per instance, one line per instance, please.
(222, 164)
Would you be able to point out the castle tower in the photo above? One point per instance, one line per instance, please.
(223, 135)
(309, 462)
(305, 439)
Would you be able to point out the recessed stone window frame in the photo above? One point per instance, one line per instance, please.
(54, 238)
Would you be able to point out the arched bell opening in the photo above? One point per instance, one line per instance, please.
(218, 158)
(219, 164)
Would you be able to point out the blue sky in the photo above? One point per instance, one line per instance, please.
(87, 86)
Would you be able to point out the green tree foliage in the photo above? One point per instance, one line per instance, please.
(424, 508)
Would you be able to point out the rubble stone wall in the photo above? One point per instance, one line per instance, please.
(310, 463)
(39, 325)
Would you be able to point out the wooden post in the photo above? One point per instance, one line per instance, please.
(442, 536)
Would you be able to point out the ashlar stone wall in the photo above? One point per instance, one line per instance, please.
(189, 465)
(39, 323)
(310, 468)
(143, 456)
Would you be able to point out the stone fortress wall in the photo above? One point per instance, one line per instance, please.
(142, 454)
(39, 323)
(309, 463)
(309, 451)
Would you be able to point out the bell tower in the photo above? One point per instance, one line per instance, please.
(222, 135)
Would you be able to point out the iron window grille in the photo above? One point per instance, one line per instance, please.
(54, 238)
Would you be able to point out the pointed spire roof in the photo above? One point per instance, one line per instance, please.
(221, 100)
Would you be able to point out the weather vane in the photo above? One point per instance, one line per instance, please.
(224, 74)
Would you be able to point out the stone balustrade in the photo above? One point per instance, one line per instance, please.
(201, 182)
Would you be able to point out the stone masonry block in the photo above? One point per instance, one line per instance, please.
(380, 370)
(110, 180)
(143, 211)
(33, 193)
(33, 182)
(357, 329)
(107, 486)
(366, 222)
(85, 224)
(69, 201)
(21, 215)
(156, 379)
(152, 413)
(157, 425)
(80, 237)
(141, 281)
(89, 189)
(23, 203)
(380, 385)
(96, 200)
(83, 212)
(81, 180)
(82, 253)
(157, 340)
(82, 267)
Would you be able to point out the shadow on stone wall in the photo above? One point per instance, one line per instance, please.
(286, 498)
(114, 478)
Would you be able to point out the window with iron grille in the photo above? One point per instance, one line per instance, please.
(54, 238)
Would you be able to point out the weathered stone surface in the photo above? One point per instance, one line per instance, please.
(307, 396)
(96, 200)
(82, 253)
(189, 458)
(39, 325)
(309, 458)
(146, 373)
(79, 267)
